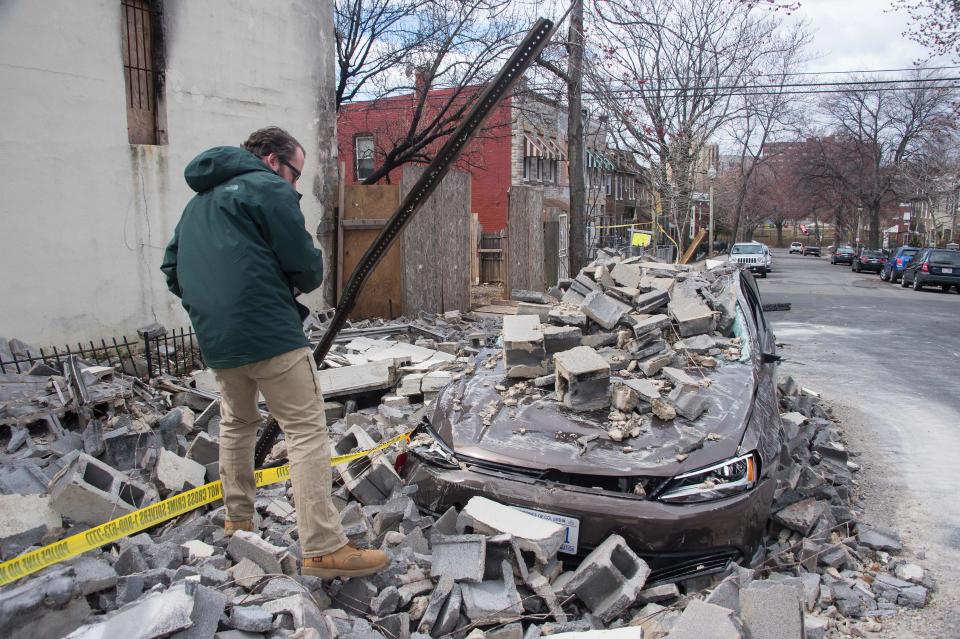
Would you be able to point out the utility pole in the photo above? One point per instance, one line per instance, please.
(575, 137)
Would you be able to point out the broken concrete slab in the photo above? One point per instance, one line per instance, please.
(604, 309)
(583, 378)
(533, 534)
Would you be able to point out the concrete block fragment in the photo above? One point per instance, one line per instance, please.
(495, 601)
(449, 618)
(88, 491)
(208, 606)
(523, 348)
(24, 521)
(583, 378)
(604, 309)
(565, 316)
(126, 449)
(771, 611)
(879, 538)
(249, 545)
(251, 619)
(438, 599)
(691, 314)
(205, 449)
(609, 579)
(647, 324)
(688, 401)
(653, 365)
(177, 473)
(539, 536)
(801, 516)
(701, 620)
(646, 303)
(459, 557)
(561, 338)
(301, 609)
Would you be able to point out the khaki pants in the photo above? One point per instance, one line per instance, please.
(289, 384)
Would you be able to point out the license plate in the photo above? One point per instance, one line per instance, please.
(571, 527)
(946, 270)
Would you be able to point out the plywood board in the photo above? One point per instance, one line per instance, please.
(366, 208)
(437, 252)
(525, 235)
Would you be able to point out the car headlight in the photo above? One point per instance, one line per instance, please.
(732, 477)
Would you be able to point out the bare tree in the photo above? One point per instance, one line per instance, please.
(877, 133)
(935, 24)
(459, 46)
(373, 37)
(672, 73)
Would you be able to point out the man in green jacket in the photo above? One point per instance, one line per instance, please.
(239, 257)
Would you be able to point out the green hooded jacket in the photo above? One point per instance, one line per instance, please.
(238, 257)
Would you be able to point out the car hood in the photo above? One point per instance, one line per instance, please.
(542, 434)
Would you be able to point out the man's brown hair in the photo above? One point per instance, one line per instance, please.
(273, 139)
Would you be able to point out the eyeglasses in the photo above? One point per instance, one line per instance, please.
(296, 173)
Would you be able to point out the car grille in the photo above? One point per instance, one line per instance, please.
(623, 486)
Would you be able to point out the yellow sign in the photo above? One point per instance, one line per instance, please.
(138, 520)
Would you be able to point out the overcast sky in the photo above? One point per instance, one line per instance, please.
(858, 35)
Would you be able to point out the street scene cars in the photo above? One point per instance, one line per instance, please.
(842, 255)
(893, 269)
(869, 260)
(933, 267)
(754, 256)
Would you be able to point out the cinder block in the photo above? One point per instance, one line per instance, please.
(523, 347)
(88, 491)
(609, 579)
(604, 310)
(583, 379)
(370, 479)
(459, 557)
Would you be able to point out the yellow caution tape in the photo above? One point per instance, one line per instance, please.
(132, 523)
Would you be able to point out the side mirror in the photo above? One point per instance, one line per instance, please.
(769, 358)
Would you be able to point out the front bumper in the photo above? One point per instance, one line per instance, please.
(679, 541)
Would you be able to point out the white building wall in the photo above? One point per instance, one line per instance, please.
(84, 215)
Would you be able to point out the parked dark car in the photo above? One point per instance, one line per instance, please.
(933, 267)
(869, 260)
(842, 255)
(811, 249)
(898, 260)
(687, 516)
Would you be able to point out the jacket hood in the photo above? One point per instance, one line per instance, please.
(219, 164)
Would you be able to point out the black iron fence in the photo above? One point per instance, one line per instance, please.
(173, 352)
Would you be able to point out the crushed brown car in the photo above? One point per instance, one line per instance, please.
(686, 477)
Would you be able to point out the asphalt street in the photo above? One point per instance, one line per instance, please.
(888, 359)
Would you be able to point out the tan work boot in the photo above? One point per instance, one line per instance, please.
(346, 562)
(230, 527)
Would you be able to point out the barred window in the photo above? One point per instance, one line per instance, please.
(363, 156)
(142, 60)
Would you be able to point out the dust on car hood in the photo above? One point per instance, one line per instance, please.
(541, 434)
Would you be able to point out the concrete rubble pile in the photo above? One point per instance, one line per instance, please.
(78, 449)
